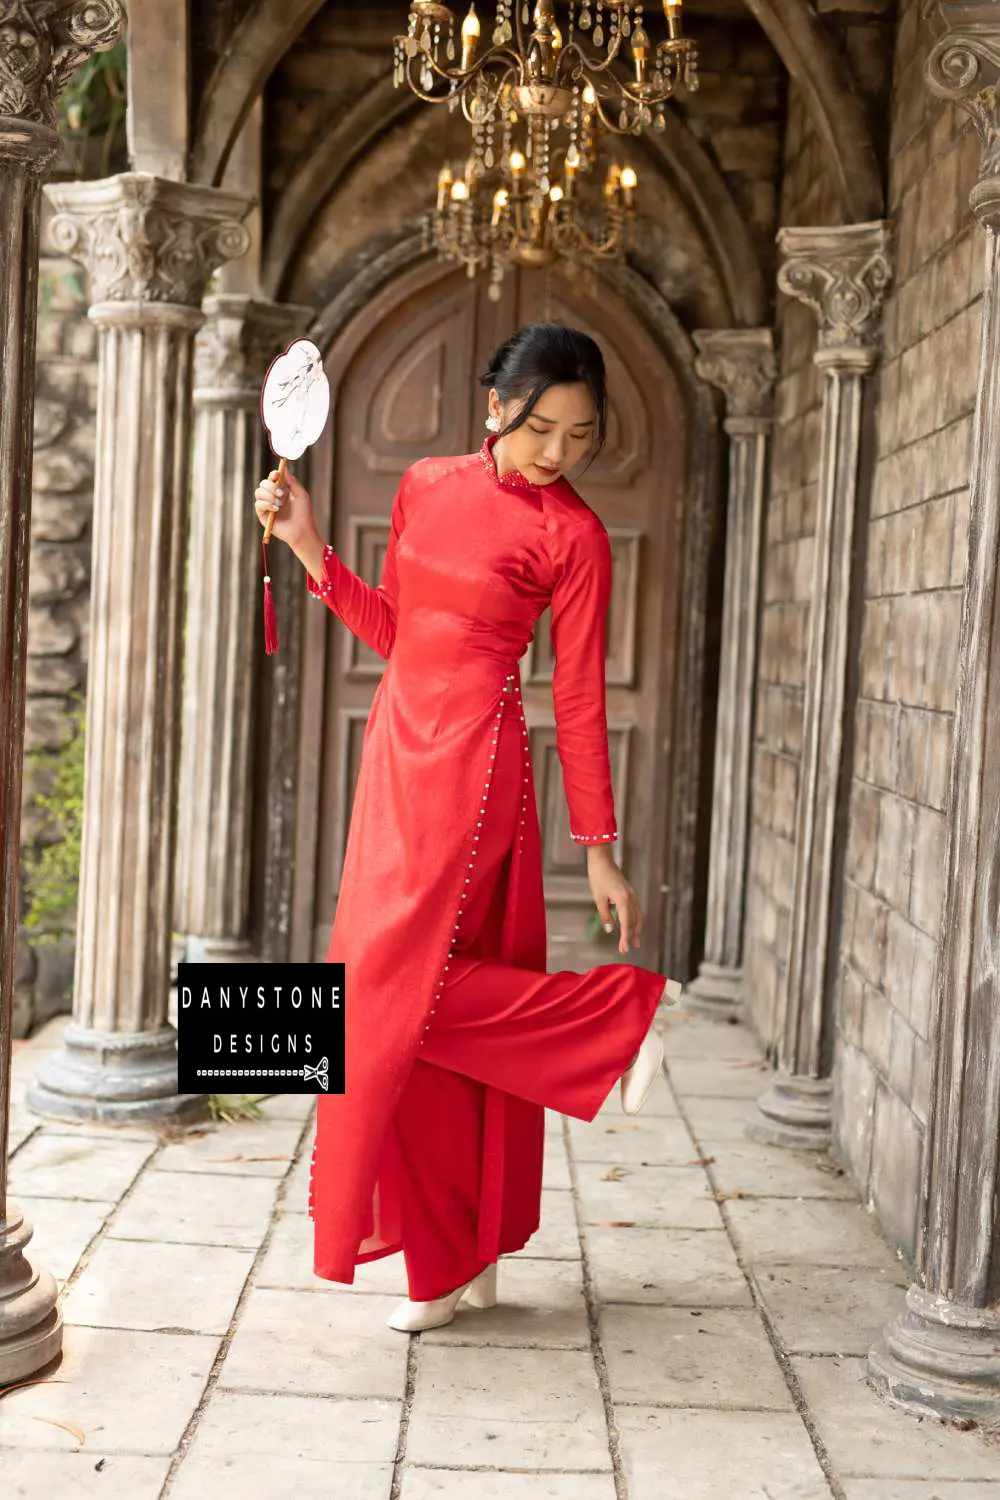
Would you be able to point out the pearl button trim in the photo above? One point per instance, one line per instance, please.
(513, 479)
(321, 590)
(507, 690)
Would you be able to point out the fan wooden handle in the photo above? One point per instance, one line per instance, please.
(282, 467)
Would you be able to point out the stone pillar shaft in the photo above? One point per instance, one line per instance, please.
(232, 353)
(842, 274)
(806, 992)
(123, 928)
(40, 48)
(741, 363)
(30, 1322)
(941, 1356)
(149, 245)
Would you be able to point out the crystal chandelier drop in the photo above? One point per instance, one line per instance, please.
(521, 223)
(541, 72)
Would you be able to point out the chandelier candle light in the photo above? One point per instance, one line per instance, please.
(542, 74)
(526, 225)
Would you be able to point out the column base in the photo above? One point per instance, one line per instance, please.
(116, 1077)
(30, 1319)
(795, 1111)
(940, 1359)
(717, 991)
(212, 950)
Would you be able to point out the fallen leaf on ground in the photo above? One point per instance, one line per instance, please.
(614, 1174)
(721, 1197)
(69, 1427)
(702, 1161)
(615, 1224)
(240, 1157)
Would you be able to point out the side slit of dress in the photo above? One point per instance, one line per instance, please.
(476, 834)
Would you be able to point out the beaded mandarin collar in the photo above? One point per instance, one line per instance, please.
(513, 479)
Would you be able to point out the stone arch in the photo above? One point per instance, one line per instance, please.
(837, 112)
(723, 226)
(681, 872)
(680, 157)
(258, 44)
(272, 26)
(326, 162)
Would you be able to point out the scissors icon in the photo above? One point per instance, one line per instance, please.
(319, 1072)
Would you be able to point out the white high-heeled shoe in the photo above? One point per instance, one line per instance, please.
(641, 1073)
(481, 1291)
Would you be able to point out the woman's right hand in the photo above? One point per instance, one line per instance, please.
(291, 506)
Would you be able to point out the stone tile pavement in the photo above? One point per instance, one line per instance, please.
(690, 1322)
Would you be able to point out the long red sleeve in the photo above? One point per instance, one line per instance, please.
(579, 614)
(370, 613)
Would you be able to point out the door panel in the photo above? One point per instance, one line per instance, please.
(635, 486)
(409, 387)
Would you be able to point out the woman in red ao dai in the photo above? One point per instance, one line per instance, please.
(457, 1038)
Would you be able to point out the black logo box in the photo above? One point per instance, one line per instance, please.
(260, 1028)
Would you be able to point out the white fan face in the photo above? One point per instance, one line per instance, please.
(295, 399)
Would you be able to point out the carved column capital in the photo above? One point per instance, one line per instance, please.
(240, 336)
(146, 239)
(740, 361)
(43, 42)
(964, 67)
(842, 274)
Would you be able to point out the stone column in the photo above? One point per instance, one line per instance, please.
(941, 1356)
(842, 274)
(41, 46)
(150, 246)
(740, 361)
(223, 641)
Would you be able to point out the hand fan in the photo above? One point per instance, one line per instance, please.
(294, 406)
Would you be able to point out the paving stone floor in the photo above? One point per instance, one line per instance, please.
(690, 1322)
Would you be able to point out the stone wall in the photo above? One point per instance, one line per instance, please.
(914, 572)
(808, 196)
(913, 556)
(59, 585)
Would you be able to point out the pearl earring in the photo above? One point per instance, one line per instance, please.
(493, 424)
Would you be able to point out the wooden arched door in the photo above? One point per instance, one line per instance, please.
(405, 383)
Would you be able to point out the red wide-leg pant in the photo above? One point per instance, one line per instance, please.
(560, 1040)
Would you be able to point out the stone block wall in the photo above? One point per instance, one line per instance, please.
(808, 196)
(913, 558)
(914, 573)
(59, 586)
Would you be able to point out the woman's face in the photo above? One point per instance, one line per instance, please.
(557, 433)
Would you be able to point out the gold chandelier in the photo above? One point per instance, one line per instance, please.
(541, 74)
(523, 223)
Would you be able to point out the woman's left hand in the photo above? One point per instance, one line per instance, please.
(609, 887)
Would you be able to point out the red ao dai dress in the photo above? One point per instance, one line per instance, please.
(456, 1037)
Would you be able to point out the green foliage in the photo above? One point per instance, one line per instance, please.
(237, 1106)
(91, 113)
(51, 870)
(594, 931)
(53, 287)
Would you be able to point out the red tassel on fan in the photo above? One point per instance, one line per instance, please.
(270, 619)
